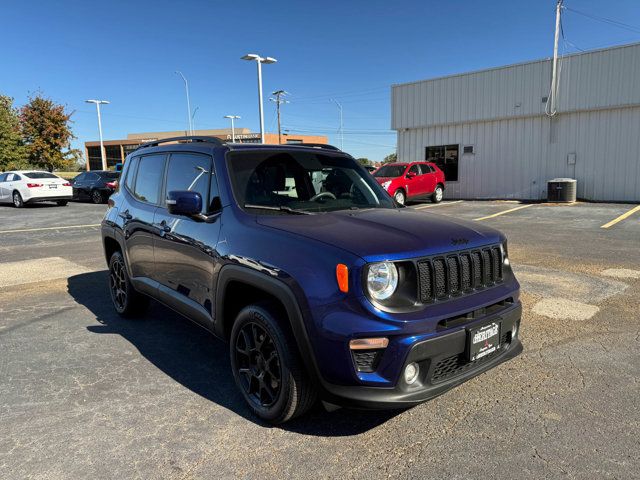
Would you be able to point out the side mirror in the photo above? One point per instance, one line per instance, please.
(411, 175)
(184, 203)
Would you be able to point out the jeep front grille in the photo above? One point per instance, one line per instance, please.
(456, 274)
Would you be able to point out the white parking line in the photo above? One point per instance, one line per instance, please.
(437, 205)
(504, 211)
(49, 228)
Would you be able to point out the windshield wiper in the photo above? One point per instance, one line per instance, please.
(280, 208)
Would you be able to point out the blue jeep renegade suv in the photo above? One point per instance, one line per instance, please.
(321, 285)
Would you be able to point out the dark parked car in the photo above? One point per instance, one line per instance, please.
(96, 185)
(321, 284)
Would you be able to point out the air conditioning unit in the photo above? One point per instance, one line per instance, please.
(562, 190)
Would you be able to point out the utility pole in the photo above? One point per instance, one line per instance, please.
(552, 103)
(279, 101)
(341, 125)
(102, 152)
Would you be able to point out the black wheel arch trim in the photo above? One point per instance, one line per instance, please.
(279, 290)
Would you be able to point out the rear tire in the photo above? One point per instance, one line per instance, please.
(400, 197)
(438, 194)
(267, 368)
(62, 203)
(126, 300)
(96, 197)
(17, 200)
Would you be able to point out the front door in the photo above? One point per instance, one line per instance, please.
(412, 179)
(185, 248)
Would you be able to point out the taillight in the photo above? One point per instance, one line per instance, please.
(34, 185)
(66, 184)
(112, 184)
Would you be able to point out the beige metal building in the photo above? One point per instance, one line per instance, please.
(117, 150)
(489, 131)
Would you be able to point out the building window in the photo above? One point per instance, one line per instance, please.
(446, 158)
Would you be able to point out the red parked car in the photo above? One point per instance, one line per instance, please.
(411, 181)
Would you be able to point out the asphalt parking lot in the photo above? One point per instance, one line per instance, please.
(85, 394)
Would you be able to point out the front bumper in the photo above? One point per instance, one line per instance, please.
(443, 365)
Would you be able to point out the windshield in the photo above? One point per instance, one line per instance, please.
(40, 175)
(294, 182)
(390, 171)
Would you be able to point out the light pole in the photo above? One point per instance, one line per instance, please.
(341, 130)
(260, 60)
(102, 152)
(186, 87)
(233, 128)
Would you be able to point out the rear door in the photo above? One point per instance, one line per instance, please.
(4, 194)
(144, 187)
(184, 248)
(428, 178)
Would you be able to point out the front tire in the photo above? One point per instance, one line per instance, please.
(17, 200)
(400, 197)
(267, 368)
(126, 300)
(438, 194)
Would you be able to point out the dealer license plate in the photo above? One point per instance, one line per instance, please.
(484, 341)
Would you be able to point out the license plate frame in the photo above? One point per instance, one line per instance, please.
(483, 340)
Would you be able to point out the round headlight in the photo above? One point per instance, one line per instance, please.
(382, 280)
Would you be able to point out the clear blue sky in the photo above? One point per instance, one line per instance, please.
(353, 51)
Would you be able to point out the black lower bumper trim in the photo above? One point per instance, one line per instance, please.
(427, 354)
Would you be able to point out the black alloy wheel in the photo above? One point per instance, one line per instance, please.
(258, 365)
(96, 197)
(126, 300)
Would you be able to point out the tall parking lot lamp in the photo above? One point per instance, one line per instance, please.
(102, 152)
(186, 87)
(260, 60)
(233, 128)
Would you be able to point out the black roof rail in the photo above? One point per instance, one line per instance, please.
(326, 146)
(184, 139)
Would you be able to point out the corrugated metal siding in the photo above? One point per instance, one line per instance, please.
(588, 81)
(515, 157)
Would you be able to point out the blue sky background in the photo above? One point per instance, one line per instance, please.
(127, 52)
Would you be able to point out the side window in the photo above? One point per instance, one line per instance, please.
(132, 168)
(414, 170)
(3, 177)
(80, 178)
(192, 172)
(148, 178)
(16, 177)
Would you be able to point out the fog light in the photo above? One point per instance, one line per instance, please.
(411, 372)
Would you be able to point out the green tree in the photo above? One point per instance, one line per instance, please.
(392, 157)
(12, 151)
(47, 134)
(364, 161)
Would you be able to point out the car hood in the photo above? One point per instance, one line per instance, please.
(387, 234)
(381, 180)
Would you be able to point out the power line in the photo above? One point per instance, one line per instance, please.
(609, 21)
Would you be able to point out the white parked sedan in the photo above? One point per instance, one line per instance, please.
(30, 186)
